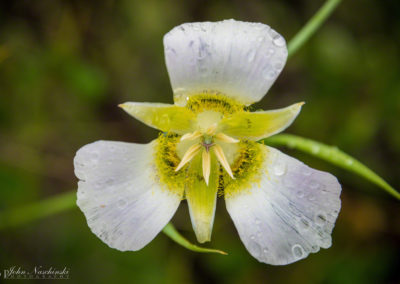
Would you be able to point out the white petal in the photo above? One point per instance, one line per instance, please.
(239, 59)
(289, 213)
(119, 194)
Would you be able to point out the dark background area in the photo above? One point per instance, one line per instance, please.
(66, 65)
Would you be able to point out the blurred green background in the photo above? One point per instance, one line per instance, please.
(64, 67)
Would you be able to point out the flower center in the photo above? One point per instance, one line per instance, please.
(204, 139)
(207, 144)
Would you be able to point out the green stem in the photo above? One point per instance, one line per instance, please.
(312, 25)
(332, 155)
(37, 210)
(171, 232)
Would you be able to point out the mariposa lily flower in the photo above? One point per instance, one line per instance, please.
(282, 209)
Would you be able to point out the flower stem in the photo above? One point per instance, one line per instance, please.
(171, 232)
(312, 26)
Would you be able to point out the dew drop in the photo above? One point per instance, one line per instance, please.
(257, 221)
(255, 249)
(311, 197)
(315, 149)
(320, 219)
(170, 50)
(121, 203)
(349, 162)
(252, 237)
(298, 251)
(300, 194)
(304, 223)
(306, 172)
(278, 66)
(81, 193)
(265, 250)
(269, 74)
(314, 185)
(94, 156)
(277, 39)
(279, 168)
(251, 55)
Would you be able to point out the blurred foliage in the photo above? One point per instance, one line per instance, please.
(65, 65)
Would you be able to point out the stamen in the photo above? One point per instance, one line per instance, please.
(191, 136)
(190, 153)
(206, 165)
(211, 130)
(222, 159)
(225, 138)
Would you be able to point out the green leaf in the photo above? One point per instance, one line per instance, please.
(332, 155)
(171, 232)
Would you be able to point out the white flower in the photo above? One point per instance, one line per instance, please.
(282, 209)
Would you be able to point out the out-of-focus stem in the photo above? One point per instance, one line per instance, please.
(312, 26)
(37, 210)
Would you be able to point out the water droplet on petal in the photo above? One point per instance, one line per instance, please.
(94, 156)
(320, 218)
(304, 223)
(252, 237)
(314, 185)
(314, 248)
(277, 39)
(81, 193)
(311, 197)
(306, 171)
(251, 55)
(255, 249)
(279, 168)
(298, 251)
(278, 66)
(122, 203)
(257, 221)
(300, 194)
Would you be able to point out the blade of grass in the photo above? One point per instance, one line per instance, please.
(332, 155)
(311, 26)
(37, 210)
(171, 232)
